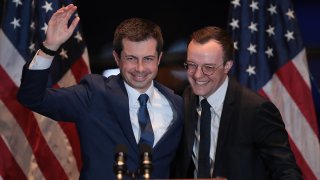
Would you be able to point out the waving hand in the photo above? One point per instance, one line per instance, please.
(58, 30)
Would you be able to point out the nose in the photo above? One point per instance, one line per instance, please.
(198, 72)
(140, 65)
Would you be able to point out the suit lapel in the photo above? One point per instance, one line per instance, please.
(192, 119)
(120, 91)
(190, 124)
(177, 122)
(226, 120)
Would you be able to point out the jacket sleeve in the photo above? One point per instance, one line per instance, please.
(56, 103)
(272, 142)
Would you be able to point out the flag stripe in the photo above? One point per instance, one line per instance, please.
(10, 59)
(59, 145)
(305, 168)
(19, 146)
(301, 64)
(296, 124)
(44, 156)
(80, 67)
(73, 138)
(299, 91)
(8, 164)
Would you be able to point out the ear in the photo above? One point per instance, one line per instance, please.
(116, 57)
(228, 66)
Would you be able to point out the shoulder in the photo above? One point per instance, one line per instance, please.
(98, 80)
(247, 99)
(243, 93)
(167, 92)
(250, 99)
(93, 78)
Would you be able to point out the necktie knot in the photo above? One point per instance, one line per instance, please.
(205, 104)
(143, 99)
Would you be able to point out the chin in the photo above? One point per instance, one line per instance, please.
(199, 92)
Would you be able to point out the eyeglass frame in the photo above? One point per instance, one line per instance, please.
(186, 65)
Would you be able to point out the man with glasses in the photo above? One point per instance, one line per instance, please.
(229, 131)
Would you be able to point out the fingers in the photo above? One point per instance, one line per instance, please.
(63, 14)
(61, 18)
(69, 10)
(73, 24)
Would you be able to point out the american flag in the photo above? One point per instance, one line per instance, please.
(33, 146)
(270, 58)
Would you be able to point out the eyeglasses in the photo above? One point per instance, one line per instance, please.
(206, 69)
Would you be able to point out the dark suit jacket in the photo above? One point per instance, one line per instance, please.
(252, 141)
(99, 108)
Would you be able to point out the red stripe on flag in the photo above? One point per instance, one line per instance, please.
(46, 160)
(9, 164)
(79, 69)
(72, 134)
(305, 169)
(263, 94)
(299, 92)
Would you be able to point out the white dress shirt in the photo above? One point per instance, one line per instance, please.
(159, 108)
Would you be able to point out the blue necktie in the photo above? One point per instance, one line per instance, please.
(147, 136)
(204, 145)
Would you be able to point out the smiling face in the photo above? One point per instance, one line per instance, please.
(209, 53)
(138, 63)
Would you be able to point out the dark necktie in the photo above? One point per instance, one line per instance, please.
(147, 136)
(204, 145)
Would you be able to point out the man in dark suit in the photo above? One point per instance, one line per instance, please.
(244, 136)
(106, 110)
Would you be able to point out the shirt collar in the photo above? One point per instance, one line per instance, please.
(133, 94)
(216, 99)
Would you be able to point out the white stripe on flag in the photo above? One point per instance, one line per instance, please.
(300, 62)
(17, 144)
(10, 59)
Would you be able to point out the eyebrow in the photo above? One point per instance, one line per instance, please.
(203, 64)
(144, 57)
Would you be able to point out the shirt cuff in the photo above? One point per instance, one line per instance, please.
(40, 62)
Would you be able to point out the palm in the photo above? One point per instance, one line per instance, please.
(58, 30)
